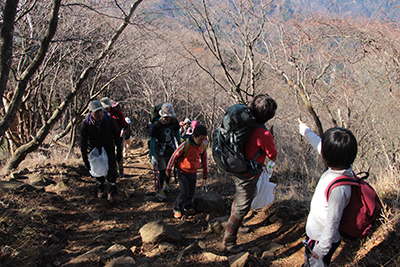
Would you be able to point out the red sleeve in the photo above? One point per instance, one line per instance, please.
(268, 145)
(175, 156)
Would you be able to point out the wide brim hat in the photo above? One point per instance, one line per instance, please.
(95, 105)
(105, 101)
(167, 110)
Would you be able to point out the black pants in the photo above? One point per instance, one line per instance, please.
(327, 258)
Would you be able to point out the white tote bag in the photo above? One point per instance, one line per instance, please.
(265, 192)
(98, 163)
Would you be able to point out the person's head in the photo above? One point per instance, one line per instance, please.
(187, 122)
(105, 101)
(166, 112)
(96, 110)
(338, 148)
(200, 134)
(263, 108)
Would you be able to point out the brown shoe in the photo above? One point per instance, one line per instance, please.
(234, 249)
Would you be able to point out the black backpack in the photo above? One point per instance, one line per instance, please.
(229, 140)
(155, 113)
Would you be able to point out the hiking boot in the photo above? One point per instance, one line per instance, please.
(100, 193)
(111, 197)
(191, 211)
(166, 187)
(234, 249)
(177, 214)
(161, 196)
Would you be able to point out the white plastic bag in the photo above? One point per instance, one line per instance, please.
(98, 163)
(265, 192)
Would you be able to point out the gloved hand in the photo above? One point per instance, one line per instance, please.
(168, 173)
(205, 176)
(303, 128)
(153, 161)
(119, 155)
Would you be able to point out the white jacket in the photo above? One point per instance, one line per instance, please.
(324, 217)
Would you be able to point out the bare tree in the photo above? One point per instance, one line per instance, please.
(230, 33)
(21, 152)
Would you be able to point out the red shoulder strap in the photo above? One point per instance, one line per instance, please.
(341, 180)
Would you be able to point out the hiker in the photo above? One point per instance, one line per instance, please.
(186, 129)
(188, 156)
(338, 148)
(263, 108)
(99, 130)
(164, 140)
(128, 137)
(119, 118)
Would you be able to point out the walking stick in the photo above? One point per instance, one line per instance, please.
(156, 178)
(307, 247)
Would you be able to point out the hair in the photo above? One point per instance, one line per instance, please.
(200, 130)
(338, 148)
(263, 108)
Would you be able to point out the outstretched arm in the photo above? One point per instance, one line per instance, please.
(312, 138)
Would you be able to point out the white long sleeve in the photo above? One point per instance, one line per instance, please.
(313, 139)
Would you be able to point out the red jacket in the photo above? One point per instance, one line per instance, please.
(191, 162)
(260, 138)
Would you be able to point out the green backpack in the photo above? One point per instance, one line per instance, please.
(229, 140)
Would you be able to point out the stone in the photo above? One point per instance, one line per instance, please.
(239, 260)
(157, 231)
(91, 255)
(113, 252)
(208, 202)
(166, 247)
(123, 261)
(211, 257)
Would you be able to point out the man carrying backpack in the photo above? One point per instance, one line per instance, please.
(164, 136)
(99, 131)
(119, 118)
(259, 145)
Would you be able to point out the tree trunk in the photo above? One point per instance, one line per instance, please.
(23, 151)
(7, 34)
(30, 70)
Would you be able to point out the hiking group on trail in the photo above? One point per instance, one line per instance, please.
(240, 146)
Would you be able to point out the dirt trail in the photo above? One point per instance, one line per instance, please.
(120, 222)
(80, 221)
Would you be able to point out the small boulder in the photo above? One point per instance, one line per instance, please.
(157, 231)
(208, 202)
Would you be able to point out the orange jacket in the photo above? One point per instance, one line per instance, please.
(190, 163)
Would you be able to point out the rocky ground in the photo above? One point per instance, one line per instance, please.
(51, 216)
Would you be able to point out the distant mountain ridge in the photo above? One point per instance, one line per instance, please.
(374, 9)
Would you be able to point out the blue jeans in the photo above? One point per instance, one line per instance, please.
(187, 184)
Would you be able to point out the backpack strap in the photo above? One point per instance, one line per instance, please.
(345, 180)
(186, 148)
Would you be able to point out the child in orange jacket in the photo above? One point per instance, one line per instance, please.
(188, 163)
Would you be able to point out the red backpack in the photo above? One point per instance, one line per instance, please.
(360, 214)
